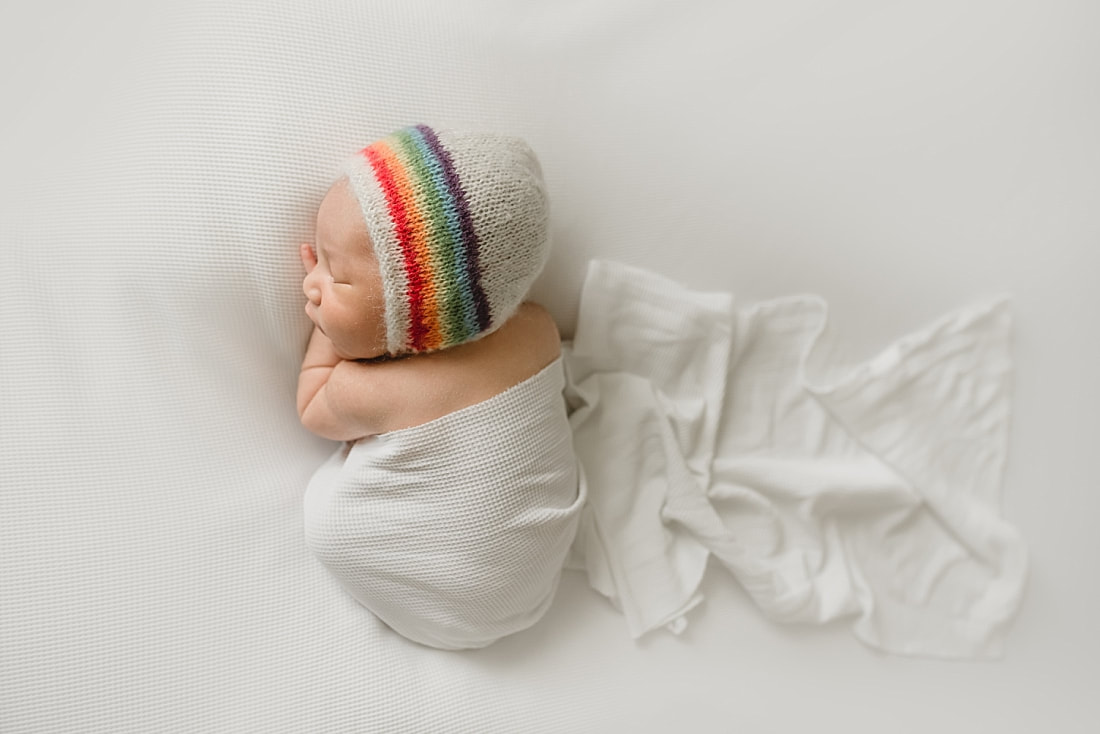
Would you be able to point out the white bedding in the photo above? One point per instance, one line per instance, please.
(161, 161)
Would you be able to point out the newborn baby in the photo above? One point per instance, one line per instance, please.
(450, 508)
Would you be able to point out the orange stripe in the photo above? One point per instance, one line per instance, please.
(433, 337)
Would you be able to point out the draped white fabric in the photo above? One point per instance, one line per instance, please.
(702, 429)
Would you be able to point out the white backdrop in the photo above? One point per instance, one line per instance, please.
(160, 162)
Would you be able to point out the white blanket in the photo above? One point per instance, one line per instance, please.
(454, 532)
(827, 490)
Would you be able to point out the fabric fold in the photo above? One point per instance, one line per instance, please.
(827, 489)
(643, 436)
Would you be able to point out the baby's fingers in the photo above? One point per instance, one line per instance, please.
(309, 259)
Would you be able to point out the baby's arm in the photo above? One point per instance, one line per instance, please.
(339, 399)
(345, 400)
(317, 366)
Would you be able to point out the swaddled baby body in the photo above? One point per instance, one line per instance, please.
(450, 508)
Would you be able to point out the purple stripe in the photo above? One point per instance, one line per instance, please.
(465, 223)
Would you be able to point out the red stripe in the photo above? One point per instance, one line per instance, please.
(403, 230)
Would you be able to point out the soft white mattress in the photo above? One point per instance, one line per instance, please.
(161, 161)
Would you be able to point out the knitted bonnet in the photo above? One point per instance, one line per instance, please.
(460, 226)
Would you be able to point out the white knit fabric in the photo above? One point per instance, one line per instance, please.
(455, 532)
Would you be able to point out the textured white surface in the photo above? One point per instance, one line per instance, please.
(160, 162)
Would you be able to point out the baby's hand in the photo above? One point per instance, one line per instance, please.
(309, 259)
(320, 352)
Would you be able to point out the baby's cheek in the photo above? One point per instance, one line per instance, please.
(378, 306)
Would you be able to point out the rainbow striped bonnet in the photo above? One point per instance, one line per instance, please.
(460, 226)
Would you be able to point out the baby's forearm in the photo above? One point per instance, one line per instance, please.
(317, 366)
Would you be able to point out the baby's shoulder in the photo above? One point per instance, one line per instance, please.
(531, 335)
(429, 386)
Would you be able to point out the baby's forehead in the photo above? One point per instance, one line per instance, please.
(336, 202)
(339, 218)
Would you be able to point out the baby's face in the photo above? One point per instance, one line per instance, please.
(344, 286)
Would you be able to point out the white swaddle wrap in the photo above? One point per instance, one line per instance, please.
(828, 489)
(454, 532)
